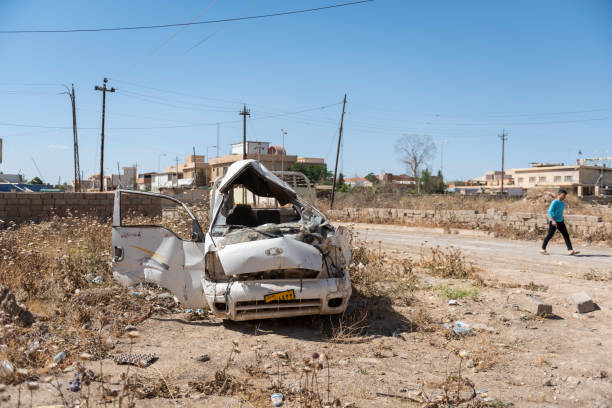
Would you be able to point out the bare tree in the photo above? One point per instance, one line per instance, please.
(414, 151)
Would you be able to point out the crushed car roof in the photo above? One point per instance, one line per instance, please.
(258, 179)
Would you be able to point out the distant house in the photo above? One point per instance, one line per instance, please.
(273, 157)
(397, 179)
(144, 181)
(357, 182)
(163, 180)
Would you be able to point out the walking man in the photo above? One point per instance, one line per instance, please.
(555, 215)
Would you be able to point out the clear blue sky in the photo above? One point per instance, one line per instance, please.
(460, 71)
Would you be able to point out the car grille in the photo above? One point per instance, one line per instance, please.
(251, 308)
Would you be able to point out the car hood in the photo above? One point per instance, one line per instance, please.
(269, 255)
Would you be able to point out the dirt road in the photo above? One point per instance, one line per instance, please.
(509, 260)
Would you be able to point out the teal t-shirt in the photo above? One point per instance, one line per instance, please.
(555, 211)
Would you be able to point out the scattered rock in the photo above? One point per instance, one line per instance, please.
(281, 354)
(583, 302)
(452, 302)
(204, 358)
(533, 304)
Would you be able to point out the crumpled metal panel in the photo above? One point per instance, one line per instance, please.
(156, 255)
(268, 255)
(342, 240)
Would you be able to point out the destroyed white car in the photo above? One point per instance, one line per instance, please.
(268, 253)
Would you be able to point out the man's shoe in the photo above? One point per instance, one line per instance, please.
(544, 252)
(572, 252)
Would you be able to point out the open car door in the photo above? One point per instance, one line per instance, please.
(147, 246)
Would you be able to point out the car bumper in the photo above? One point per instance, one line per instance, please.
(244, 300)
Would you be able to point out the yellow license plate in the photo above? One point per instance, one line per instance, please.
(284, 295)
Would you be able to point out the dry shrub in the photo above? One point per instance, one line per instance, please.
(152, 387)
(60, 268)
(379, 283)
(349, 327)
(374, 273)
(448, 263)
(532, 286)
(597, 275)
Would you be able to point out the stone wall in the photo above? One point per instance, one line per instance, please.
(586, 226)
(24, 207)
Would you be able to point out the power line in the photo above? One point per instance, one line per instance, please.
(169, 126)
(209, 36)
(176, 93)
(438, 115)
(149, 27)
(173, 102)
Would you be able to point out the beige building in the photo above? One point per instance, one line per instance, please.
(312, 160)
(579, 178)
(189, 169)
(273, 157)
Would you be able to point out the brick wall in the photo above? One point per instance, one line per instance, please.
(23, 207)
(586, 226)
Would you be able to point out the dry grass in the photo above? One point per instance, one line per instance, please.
(533, 202)
(60, 269)
(447, 263)
(598, 275)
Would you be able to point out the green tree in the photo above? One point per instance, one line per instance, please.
(316, 173)
(424, 181)
(340, 181)
(201, 180)
(36, 180)
(440, 186)
(371, 177)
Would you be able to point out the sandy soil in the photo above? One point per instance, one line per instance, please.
(563, 361)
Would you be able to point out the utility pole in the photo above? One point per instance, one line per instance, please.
(104, 89)
(503, 138)
(195, 169)
(176, 168)
(284, 133)
(218, 131)
(244, 114)
(331, 206)
(77, 171)
(118, 176)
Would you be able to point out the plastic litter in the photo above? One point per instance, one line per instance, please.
(452, 302)
(6, 368)
(74, 385)
(277, 399)
(59, 356)
(459, 328)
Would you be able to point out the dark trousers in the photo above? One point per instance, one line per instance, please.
(562, 229)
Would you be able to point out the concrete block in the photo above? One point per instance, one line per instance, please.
(583, 302)
(593, 218)
(533, 305)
